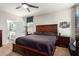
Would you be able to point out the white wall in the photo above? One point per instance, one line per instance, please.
(4, 16)
(20, 29)
(55, 18)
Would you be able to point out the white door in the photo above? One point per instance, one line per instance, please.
(20, 30)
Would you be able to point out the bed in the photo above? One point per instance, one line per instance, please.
(42, 42)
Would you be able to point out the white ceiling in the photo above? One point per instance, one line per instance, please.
(43, 8)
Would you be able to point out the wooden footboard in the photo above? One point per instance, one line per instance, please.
(27, 51)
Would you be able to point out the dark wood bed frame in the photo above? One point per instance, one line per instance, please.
(25, 50)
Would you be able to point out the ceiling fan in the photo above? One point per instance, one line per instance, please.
(26, 5)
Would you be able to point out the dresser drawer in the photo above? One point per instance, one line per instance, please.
(77, 43)
(0, 44)
(77, 52)
(0, 38)
(77, 40)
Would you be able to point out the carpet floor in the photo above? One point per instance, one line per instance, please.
(6, 50)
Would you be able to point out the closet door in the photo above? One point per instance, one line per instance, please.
(0, 38)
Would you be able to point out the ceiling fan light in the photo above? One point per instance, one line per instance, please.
(25, 6)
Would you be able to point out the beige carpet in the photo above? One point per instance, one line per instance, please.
(6, 50)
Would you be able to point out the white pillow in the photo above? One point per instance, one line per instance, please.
(74, 43)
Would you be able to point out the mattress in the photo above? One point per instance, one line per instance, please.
(41, 42)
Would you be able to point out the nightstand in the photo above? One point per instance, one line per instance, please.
(63, 41)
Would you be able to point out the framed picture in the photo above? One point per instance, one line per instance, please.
(64, 24)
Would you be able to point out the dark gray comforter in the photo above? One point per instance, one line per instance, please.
(41, 42)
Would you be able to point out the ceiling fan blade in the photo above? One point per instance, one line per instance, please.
(18, 7)
(31, 5)
(28, 9)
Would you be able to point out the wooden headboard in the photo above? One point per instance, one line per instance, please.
(47, 28)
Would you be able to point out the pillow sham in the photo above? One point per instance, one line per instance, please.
(50, 33)
(38, 33)
(45, 33)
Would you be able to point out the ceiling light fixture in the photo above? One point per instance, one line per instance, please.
(25, 6)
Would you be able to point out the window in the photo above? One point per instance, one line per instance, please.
(29, 25)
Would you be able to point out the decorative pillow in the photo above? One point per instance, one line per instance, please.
(74, 43)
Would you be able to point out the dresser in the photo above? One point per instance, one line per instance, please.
(0, 38)
(77, 46)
